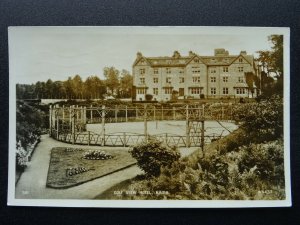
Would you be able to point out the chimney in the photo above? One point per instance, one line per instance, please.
(191, 53)
(176, 54)
(221, 52)
(243, 53)
(139, 55)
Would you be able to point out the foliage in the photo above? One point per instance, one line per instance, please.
(272, 65)
(112, 79)
(148, 97)
(252, 172)
(262, 121)
(30, 121)
(75, 88)
(153, 155)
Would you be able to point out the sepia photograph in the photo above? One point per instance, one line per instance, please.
(176, 117)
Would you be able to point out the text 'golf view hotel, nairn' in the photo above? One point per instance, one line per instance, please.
(195, 76)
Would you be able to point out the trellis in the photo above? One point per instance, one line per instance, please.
(68, 124)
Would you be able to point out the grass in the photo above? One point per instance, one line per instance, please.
(63, 159)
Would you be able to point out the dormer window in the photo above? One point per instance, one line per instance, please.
(196, 60)
(240, 60)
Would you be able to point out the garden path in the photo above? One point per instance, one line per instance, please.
(32, 183)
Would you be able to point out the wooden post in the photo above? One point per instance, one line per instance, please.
(89, 139)
(203, 112)
(84, 115)
(222, 116)
(202, 136)
(63, 114)
(77, 115)
(81, 114)
(116, 114)
(57, 124)
(91, 116)
(145, 122)
(126, 114)
(174, 113)
(124, 139)
(70, 119)
(73, 125)
(50, 120)
(187, 129)
(162, 112)
(103, 124)
(136, 113)
(154, 114)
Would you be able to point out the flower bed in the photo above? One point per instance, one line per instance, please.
(96, 155)
(73, 166)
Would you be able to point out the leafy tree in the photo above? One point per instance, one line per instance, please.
(272, 63)
(126, 83)
(77, 86)
(112, 79)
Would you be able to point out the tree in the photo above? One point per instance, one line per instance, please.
(69, 88)
(77, 86)
(272, 64)
(251, 81)
(126, 83)
(112, 79)
(94, 87)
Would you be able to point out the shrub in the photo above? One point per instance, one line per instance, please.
(262, 121)
(148, 97)
(153, 155)
(265, 160)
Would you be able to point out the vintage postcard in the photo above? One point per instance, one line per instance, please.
(170, 117)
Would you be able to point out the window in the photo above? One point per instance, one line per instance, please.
(168, 90)
(181, 79)
(155, 71)
(155, 91)
(213, 91)
(213, 79)
(241, 79)
(155, 80)
(168, 80)
(240, 60)
(240, 91)
(196, 60)
(225, 79)
(225, 91)
(196, 79)
(181, 71)
(142, 80)
(141, 91)
(195, 91)
(195, 70)
(213, 70)
(142, 71)
(168, 70)
(225, 69)
(241, 69)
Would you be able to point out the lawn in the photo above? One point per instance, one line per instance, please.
(69, 168)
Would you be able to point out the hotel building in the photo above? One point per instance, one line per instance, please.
(194, 76)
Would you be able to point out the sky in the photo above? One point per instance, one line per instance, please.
(40, 53)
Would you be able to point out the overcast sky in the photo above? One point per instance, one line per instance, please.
(40, 53)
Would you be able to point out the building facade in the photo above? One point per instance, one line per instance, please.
(194, 76)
